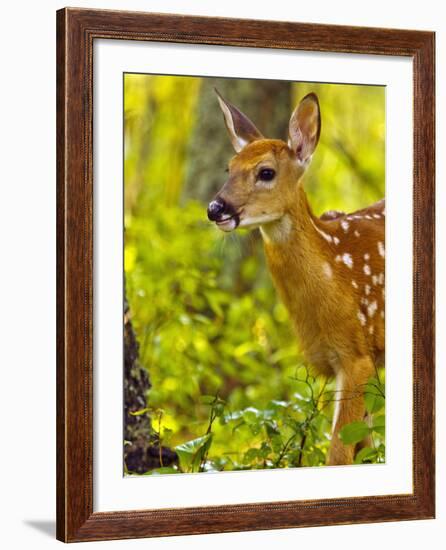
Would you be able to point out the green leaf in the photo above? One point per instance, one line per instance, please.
(374, 400)
(365, 455)
(140, 412)
(201, 319)
(315, 458)
(163, 470)
(271, 429)
(191, 452)
(382, 453)
(354, 432)
(250, 455)
(255, 428)
(219, 409)
(379, 425)
(207, 399)
(276, 443)
(167, 435)
(213, 300)
(302, 390)
(250, 415)
(279, 404)
(264, 450)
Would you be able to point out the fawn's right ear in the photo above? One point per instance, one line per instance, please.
(305, 127)
(241, 130)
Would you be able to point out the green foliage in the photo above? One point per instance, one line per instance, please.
(354, 432)
(229, 386)
(374, 396)
(374, 428)
(193, 453)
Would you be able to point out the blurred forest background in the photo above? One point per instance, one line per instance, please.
(228, 388)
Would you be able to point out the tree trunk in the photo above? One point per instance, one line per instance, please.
(141, 446)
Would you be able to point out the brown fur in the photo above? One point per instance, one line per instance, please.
(324, 310)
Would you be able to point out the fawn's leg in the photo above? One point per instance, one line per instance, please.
(351, 380)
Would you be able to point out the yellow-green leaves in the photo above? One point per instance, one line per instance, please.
(207, 318)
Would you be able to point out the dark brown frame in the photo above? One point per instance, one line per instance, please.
(76, 31)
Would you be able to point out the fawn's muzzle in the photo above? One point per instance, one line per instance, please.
(223, 214)
(216, 209)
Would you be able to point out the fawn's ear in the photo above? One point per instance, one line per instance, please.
(305, 127)
(241, 130)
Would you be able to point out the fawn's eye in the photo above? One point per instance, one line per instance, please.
(266, 174)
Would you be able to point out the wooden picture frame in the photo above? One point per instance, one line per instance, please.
(76, 31)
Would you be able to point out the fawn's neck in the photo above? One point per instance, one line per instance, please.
(297, 232)
(298, 252)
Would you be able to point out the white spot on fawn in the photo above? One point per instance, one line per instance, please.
(368, 217)
(345, 225)
(336, 240)
(364, 301)
(381, 278)
(348, 260)
(366, 257)
(362, 318)
(326, 268)
(377, 216)
(367, 269)
(375, 279)
(338, 258)
(367, 290)
(371, 309)
(354, 284)
(381, 249)
(356, 233)
(371, 329)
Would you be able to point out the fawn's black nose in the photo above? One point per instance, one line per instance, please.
(216, 209)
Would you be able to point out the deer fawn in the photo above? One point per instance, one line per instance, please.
(328, 271)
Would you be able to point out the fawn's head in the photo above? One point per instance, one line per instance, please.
(265, 173)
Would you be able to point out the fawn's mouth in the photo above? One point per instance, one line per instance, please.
(230, 222)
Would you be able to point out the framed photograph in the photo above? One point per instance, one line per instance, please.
(245, 275)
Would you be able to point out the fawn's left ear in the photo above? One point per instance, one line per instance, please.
(241, 130)
(305, 127)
